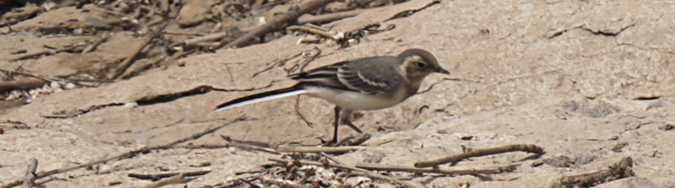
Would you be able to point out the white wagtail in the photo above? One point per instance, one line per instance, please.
(362, 84)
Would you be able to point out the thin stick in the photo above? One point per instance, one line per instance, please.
(275, 63)
(354, 170)
(21, 85)
(209, 37)
(240, 181)
(253, 147)
(314, 31)
(29, 179)
(323, 154)
(443, 170)
(246, 142)
(407, 13)
(482, 152)
(122, 67)
(172, 180)
(145, 65)
(35, 55)
(354, 140)
(93, 46)
(276, 24)
(46, 52)
(129, 154)
(248, 145)
(344, 149)
(155, 177)
(27, 74)
(621, 169)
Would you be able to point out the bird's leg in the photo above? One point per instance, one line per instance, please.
(342, 118)
(337, 123)
(345, 119)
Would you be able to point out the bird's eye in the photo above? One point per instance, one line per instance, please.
(420, 64)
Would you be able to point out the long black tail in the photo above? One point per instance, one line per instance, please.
(274, 94)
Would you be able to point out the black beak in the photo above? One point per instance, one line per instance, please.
(442, 71)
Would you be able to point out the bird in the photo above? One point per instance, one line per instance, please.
(368, 83)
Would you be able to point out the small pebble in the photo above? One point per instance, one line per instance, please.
(131, 105)
(55, 85)
(34, 92)
(70, 86)
(10, 97)
(98, 24)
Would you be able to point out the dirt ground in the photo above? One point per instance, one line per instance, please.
(588, 80)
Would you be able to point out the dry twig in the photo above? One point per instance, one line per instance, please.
(413, 11)
(145, 65)
(93, 46)
(319, 149)
(29, 179)
(21, 85)
(276, 24)
(172, 180)
(155, 177)
(621, 169)
(482, 152)
(443, 170)
(237, 182)
(353, 140)
(48, 79)
(122, 67)
(319, 32)
(249, 145)
(275, 63)
(252, 147)
(73, 48)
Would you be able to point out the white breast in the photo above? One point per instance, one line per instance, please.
(356, 100)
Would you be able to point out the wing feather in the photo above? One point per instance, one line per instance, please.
(368, 75)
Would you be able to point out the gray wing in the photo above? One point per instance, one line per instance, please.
(368, 75)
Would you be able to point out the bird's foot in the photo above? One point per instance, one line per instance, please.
(349, 141)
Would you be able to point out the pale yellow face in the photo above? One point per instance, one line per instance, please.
(416, 67)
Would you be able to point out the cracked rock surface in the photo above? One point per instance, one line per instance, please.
(578, 78)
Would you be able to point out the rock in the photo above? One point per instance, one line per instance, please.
(193, 13)
(659, 104)
(586, 107)
(584, 158)
(70, 86)
(54, 85)
(98, 24)
(131, 105)
(559, 161)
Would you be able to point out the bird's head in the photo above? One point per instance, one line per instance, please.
(418, 63)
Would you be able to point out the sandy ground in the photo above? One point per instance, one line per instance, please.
(590, 80)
